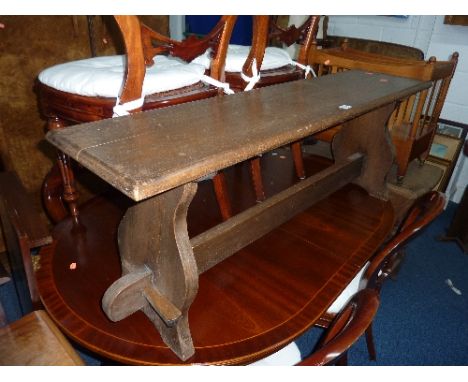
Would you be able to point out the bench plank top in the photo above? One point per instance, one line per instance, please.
(151, 152)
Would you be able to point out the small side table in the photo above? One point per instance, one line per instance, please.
(458, 229)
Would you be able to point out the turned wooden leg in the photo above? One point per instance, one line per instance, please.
(256, 174)
(296, 149)
(70, 194)
(222, 195)
(52, 195)
(370, 343)
(402, 168)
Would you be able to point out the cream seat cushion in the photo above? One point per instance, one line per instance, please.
(237, 54)
(287, 356)
(104, 76)
(351, 289)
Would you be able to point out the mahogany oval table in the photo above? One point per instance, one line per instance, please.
(247, 306)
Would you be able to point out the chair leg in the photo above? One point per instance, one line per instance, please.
(298, 160)
(222, 195)
(370, 343)
(396, 264)
(402, 159)
(256, 174)
(402, 168)
(343, 360)
(70, 193)
(52, 195)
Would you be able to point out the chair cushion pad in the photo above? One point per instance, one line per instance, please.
(287, 356)
(104, 76)
(351, 289)
(237, 54)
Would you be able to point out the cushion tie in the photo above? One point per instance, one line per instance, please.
(251, 80)
(218, 84)
(307, 68)
(124, 109)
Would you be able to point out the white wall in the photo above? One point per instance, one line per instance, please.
(413, 31)
(434, 38)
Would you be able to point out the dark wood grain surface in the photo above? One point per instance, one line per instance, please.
(136, 154)
(34, 340)
(247, 306)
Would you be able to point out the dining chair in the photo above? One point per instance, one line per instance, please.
(414, 122)
(266, 62)
(155, 72)
(383, 264)
(347, 327)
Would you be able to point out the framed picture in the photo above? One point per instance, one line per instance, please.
(450, 130)
(445, 147)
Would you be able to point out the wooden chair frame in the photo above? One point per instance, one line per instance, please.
(424, 210)
(60, 195)
(347, 327)
(265, 30)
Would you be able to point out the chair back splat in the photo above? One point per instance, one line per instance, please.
(273, 64)
(155, 72)
(264, 64)
(347, 327)
(332, 348)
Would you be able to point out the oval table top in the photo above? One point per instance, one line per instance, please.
(247, 307)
